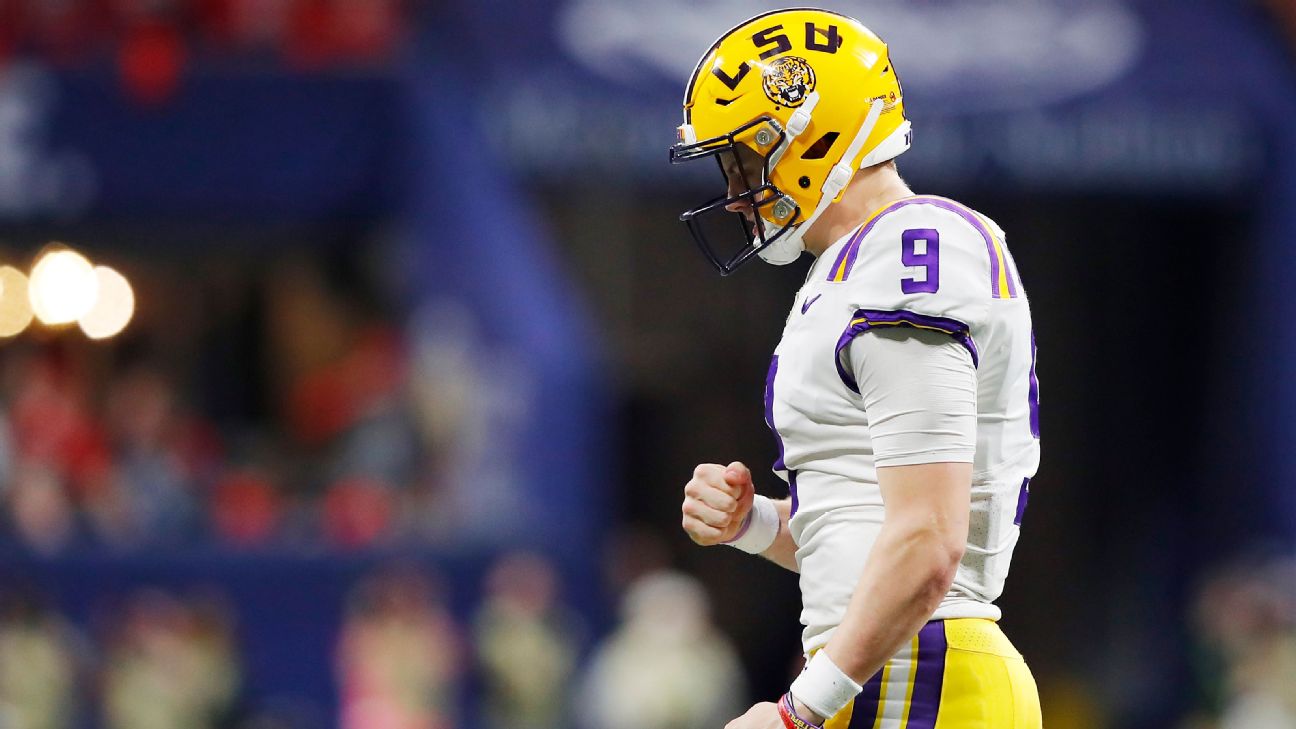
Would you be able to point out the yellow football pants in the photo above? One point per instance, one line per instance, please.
(955, 674)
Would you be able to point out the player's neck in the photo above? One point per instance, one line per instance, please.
(869, 191)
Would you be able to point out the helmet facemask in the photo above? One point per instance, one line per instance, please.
(775, 215)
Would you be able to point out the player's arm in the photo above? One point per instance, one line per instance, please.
(920, 390)
(910, 568)
(721, 507)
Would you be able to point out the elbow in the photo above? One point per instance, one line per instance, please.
(948, 558)
(943, 564)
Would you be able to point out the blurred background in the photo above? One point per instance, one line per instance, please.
(354, 358)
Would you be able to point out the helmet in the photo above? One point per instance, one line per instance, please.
(814, 95)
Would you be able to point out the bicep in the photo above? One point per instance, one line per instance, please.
(918, 388)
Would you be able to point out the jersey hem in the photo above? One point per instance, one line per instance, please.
(961, 609)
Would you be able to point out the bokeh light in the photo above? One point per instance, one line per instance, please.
(15, 309)
(113, 307)
(63, 287)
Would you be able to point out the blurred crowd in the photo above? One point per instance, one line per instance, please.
(150, 43)
(288, 414)
(1245, 618)
(519, 656)
(157, 661)
(403, 660)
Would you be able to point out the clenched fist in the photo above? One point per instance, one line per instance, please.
(717, 501)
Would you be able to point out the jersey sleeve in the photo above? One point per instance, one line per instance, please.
(930, 265)
(919, 389)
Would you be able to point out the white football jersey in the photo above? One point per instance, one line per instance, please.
(923, 262)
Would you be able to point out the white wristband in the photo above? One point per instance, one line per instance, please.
(759, 529)
(824, 688)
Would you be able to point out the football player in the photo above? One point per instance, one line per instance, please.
(903, 395)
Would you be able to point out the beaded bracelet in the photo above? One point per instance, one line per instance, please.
(791, 719)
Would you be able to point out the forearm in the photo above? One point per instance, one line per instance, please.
(783, 551)
(908, 572)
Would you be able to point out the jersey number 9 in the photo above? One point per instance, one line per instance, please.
(920, 248)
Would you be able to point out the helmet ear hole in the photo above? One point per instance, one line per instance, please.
(820, 148)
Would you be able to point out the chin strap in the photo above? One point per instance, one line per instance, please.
(796, 124)
(842, 172)
(838, 178)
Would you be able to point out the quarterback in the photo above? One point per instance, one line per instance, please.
(902, 396)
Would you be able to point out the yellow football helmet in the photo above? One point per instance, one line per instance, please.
(814, 95)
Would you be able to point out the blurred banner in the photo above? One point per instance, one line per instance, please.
(1039, 95)
(265, 145)
(1095, 96)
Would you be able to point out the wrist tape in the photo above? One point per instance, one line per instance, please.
(824, 688)
(759, 529)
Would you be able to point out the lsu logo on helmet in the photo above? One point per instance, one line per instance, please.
(814, 95)
(788, 80)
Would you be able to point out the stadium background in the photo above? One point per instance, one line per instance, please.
(421, 357)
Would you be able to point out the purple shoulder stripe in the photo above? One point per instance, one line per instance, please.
(866, 319)
(980, 226)
(841, 267)
(845, 262)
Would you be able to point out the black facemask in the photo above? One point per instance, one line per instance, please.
(703, 221)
